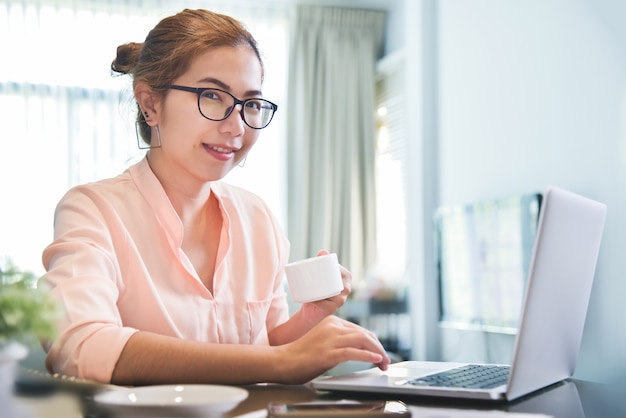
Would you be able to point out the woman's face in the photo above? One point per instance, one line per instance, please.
(194, 148)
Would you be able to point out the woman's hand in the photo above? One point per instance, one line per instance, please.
(316, 311)
(329, 343)
(311, 313)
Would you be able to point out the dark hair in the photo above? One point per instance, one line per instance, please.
(172, 44)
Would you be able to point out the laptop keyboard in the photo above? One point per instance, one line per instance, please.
(471, 376)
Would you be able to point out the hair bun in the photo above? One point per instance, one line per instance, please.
(127, 57)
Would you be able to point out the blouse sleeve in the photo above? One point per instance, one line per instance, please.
(84, 275)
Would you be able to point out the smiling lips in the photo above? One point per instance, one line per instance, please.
(222, 154)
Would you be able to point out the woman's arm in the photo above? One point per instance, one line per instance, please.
(310, 314)
(151, 358)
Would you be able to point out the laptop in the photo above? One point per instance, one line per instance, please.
(558, 287)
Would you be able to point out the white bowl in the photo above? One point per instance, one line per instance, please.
(172, 400)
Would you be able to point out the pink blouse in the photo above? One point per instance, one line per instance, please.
(116, 266)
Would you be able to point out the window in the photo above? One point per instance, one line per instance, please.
(66, 121)
(390, 159)
(388, 308)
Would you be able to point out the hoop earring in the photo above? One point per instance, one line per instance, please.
(242, 163)
(140, 142)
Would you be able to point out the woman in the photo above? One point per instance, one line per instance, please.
(168, 275)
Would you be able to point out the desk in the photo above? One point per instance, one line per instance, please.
(569, 399)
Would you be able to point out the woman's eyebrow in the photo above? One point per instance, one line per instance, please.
(219, 83)
(226, 87)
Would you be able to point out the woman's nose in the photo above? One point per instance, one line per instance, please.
(235, 119)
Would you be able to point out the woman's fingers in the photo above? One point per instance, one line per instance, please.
(331, 342)
(353, 342)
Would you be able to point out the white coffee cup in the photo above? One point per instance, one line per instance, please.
(314, 278)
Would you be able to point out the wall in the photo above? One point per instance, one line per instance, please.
(533, 93)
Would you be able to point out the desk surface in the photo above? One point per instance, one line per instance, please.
(569, 399)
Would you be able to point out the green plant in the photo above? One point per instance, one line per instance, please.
(27, 313)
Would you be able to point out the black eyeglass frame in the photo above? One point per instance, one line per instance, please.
(200, 90)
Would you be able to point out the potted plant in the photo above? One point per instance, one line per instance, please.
(27, 315)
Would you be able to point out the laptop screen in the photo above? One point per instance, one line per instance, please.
(483, 252)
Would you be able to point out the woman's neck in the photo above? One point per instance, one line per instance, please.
(188, 197)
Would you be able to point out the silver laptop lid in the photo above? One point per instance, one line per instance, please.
(558, 290)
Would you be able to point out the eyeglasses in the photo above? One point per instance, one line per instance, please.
(217, 105)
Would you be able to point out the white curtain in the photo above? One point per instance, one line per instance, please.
(64, 120)
(331, 133)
